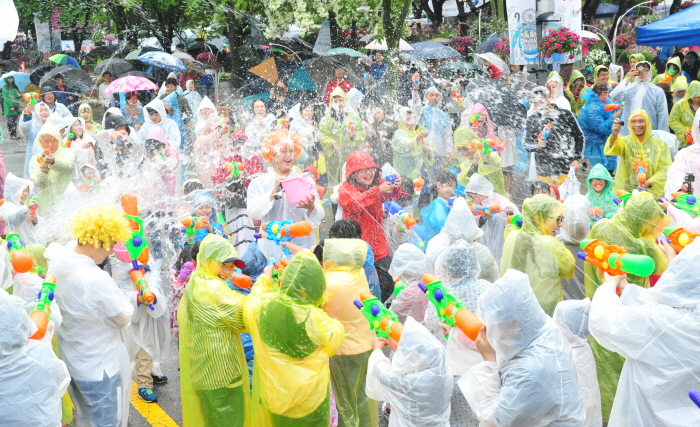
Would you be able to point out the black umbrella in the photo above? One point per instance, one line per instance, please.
(199, 47)
(138, 74)
(500, 100)
(488, 44)
(115, 66)
(38, 73)
(254, 85)
(73, 77)
(10, 65)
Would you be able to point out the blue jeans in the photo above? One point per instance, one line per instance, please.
(103, 399)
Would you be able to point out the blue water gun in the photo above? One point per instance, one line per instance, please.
(284, 231)
(459, 189)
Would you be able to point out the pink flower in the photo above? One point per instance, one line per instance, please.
(557, 46)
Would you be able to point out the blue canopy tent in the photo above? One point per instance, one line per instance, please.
(679, 29)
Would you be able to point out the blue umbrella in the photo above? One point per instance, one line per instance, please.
(301, 80)
(431, 50)
(162, 60)
(343, 51)
(21, 79)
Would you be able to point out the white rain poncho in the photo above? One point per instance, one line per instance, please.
(304, 128)
(687, 161)
(657, 331)
(414, 382)
(113, 111)
(557, 98)
(149, 329)
(15, 213)
(32, 378)
(208, 124)
(494, 228)
(409, 264)
(645, 96)
(89, 340)
(460, 224)
(30, 130)
(572, 319)
(192, 96)
(533, 383)
(574, 229)
(256, 130)
(84, 154)
(436, 121)
(170, 129)
(260, 207)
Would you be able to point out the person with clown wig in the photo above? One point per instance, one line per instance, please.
(267, 200)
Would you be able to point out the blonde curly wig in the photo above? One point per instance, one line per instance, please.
(100, 226)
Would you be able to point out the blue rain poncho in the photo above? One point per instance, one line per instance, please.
(596, 124)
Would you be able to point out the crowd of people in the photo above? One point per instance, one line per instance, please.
(249, 239)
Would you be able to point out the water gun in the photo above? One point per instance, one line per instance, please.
(403, 219)
(546, 130)
(641, 171)
(419, 130)
(191, 225)
(457, 96)
(41, 272)
(31, 97)
(137, 248)
(283, 123)
(141, 286)
(236, 169)
(416, 78)
(484, 210)
(240, 280)
(42, 312)
(679, 237)
(399, 286)
(89, 185)
(475, 120)
(421, 245)
(21, 260)
(695, 396)
(450, 309)
(615, 260)
(596, 214)
(117, 139)
(368, 148)
(667, 76)
(381, 320)
(32, 212)
(351, 126)
(686, 202)
(222, 222)
(42, 158)
(69, 140)
(516, 221)
(326, 203)
(484, 145)
(278, 269)
(284, 231)
(622, 197)
(225, 124)
(418, 185)
(612, 107)
(689, 137)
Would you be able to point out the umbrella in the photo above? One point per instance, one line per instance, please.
(321, 69)
(130, 84)
(431, 50)
(344, 51)
(367, 38)
(73, 77)
(500, 100)
(138, 74)
(488, 44)
(468, 70)
(21, 79)
(115, 66)
(134, 54)
(10, 22)
(162, 60)
(381, 45)
(38, 73)
(588, 35)
(63, 59)
(10, 64)
(267, 70)
(183, 55)
(255, 86)
(198, 47)
(301, 80)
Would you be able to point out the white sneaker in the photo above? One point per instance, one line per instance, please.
(386, 410)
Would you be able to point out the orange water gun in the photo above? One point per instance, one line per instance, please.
(42, 312)
(612, 107)
(457, 96)
(42, 158)
(31, 97)
(641, 170)
(418, 185)
(679, 237)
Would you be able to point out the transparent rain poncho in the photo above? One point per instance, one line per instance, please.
(213, 372)
(574, 229)
(460, 224)
(533, 382)
(488, 166)
(293, 339)
(572, 319)
(51, 185)
(415, 382)
(16, 214)
(409, 264)
(32, 378)
(535, 251)
(657, 331)
(345, 281)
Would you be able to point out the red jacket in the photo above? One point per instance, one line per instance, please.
(365, 205)
(344, 84)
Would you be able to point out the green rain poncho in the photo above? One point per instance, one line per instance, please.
(682, 115)
(634, 227)
(652, 151)
(345, 278)
(409, 155)
(489, 167)
(293, 339)
(333, 129)
(213, 372)
(535, 251)
(576, 104)
(605, 200)
(51, 185)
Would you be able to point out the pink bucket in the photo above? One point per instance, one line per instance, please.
(298, 188)
(121, 253)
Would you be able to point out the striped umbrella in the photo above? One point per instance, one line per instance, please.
(63, 59)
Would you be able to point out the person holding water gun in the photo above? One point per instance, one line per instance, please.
(94, 312)
(596, 121)
(33, 119)
(411, 149)
(52, 170)
(202, 221)
(683, 114)
(18, 206)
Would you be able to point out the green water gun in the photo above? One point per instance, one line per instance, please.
(381, 320)
(449, 308)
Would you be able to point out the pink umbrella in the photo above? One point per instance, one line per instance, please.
(130, 84)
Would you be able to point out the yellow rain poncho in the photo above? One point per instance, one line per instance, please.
(489, 166)
(213, 371)
(293, 339)
(345, 278)
(535, 251)
(576, 104)
(682, 115)
(635, 228)
(652, 151)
